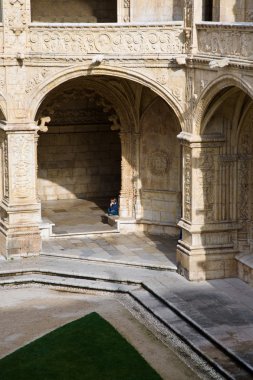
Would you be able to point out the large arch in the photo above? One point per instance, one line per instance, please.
(142, 117)
(78, 71)
(213, 89)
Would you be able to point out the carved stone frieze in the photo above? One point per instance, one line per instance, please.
(225, 42)
(134, 40)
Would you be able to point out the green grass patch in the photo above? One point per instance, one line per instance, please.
(86, 349)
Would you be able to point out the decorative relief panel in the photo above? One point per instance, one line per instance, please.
(244, 165)
(225, 41)
(207, 180)
(35, 80)
(159, 162)
(187, 183)
(22, 165)
(134, 40)
(6, 169)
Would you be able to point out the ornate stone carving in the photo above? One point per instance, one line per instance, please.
(22, 165)
(207, 175)
(187, 184)
(244, 178)
(37, 79)
(159, 162)
(134, 40)
(6, 168)
(225, 41)
(17, 18)
(188, 20)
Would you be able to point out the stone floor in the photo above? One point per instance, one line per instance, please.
(77, 215)
(152, 251)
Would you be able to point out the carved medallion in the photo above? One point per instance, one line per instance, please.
(159, 163)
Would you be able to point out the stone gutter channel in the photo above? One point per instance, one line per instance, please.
(225, 361)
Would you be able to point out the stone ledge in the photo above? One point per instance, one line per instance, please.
(245, 267)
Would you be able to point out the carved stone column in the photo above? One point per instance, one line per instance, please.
(19, 208)
(127, 177)
(207, 248)
(124, 10)
(192, 15)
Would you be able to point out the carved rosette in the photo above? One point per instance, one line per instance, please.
(187, 210)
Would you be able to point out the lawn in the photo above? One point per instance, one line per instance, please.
(86, 349)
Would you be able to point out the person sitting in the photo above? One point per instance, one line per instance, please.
(114, 207)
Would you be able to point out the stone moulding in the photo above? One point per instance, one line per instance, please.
(134, 39)
(233, 40)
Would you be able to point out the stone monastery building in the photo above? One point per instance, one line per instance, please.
(148, 99)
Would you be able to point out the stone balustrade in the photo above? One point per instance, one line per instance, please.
(123, 40)
(226, 40)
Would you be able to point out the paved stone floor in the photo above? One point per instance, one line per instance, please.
(131, 249)
(77, 215)
(223, 309)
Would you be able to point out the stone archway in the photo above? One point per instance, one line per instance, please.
(138, 117)
(217, 179)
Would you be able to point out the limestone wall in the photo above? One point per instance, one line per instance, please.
(73, 163)
(74, 11)
(156, 10)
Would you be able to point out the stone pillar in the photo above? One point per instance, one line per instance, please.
(19, 208)
(127, 176)
(207, 248)
(124, 10)
(192, 15)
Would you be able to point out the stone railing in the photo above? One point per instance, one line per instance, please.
(226, 40)
(78, 39)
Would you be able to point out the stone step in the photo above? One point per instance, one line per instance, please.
(228, 363)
